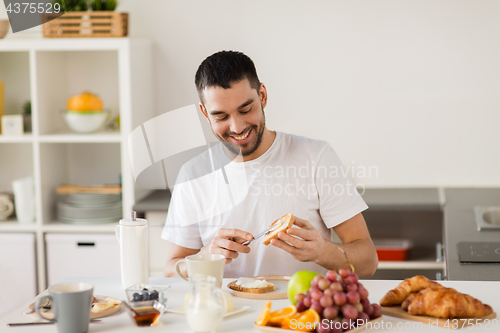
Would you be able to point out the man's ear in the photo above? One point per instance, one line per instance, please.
(263, 95)
(204, 111)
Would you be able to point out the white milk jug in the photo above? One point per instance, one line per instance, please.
(132, 235)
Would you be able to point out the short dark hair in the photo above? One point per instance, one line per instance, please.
(223, 68)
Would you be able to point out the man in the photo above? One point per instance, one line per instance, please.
(283, 173)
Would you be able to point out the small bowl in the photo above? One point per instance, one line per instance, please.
(86, 122)
(4, 28)
(140, 294)
(144, 313)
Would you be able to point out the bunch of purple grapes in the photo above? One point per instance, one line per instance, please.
(338, 298)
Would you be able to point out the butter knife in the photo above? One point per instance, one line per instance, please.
(274, 226)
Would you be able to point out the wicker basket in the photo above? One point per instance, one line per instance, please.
(85, 24)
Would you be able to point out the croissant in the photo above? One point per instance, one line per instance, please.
(445, 303)
(414, 284)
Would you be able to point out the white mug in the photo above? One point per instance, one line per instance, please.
(204, 264)
(24, 198)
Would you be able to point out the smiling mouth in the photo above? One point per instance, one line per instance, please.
(241, 137)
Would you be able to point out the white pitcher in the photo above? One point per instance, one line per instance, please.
(132, 235)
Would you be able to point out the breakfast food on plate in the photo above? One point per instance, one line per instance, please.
(398, 295)
(254, 286)
(421, 296)
(229, 304)
(107, 304)
(282, 224)
(335, 303)
(445, 303)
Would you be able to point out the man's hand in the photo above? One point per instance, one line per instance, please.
(356, 249)
(228, 243)
(307, 247)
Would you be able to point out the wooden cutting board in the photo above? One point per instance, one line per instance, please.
(456, 323)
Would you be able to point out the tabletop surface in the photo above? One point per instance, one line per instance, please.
(487, 292)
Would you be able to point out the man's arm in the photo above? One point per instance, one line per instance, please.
(177, 253)
(357, 247)
(226, 242)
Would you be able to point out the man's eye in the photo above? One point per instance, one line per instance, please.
(246, 111)
(220, 119)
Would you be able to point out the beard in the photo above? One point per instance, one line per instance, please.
(249, 147)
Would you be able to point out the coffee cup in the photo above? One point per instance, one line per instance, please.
(204, 264)
(71, 304)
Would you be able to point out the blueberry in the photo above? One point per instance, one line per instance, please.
(144, 289)
(136, 297)
(153, 295)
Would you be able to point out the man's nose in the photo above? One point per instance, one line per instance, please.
(237, 125)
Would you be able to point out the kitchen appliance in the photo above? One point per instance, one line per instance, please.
(132, 234)
(479, 252)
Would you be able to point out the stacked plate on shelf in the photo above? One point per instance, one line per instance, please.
(89, 208)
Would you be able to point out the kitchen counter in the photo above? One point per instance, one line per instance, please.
(379, 198)
(460, 225)
(243, 322)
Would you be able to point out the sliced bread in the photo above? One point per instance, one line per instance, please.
(254, 286)
(282, 224)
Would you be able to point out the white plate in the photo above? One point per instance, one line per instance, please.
(182, 310)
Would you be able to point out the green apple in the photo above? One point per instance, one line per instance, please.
(299, 283)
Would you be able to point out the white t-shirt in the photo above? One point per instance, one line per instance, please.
(295, 175)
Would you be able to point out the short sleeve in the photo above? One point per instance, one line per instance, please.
(338, 198)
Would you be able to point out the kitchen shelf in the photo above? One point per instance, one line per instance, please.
(16, 138)
(66, 137)
(48, 72)
(56, 226)
(13, 226)
(418, 258)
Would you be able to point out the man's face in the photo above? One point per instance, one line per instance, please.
(236, 115)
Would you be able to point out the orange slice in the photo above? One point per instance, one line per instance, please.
(264, 316)
(276, 317)
(306, 321)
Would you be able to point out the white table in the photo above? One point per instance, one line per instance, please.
(487, 292)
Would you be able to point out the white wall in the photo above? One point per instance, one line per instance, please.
(410, 87)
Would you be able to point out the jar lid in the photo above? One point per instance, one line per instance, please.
(137, 222)
(133, 221)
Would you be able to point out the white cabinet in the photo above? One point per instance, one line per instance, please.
(17, 270)
(82, 255)
(48, 72)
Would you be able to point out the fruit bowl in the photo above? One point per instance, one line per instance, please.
(86, 122)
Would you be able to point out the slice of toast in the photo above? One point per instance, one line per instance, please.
(286, 223)
(269, 287)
